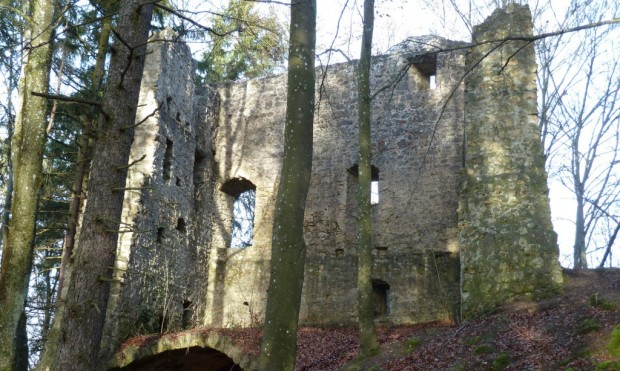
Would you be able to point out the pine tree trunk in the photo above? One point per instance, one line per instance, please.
(78, 191)
(88, 289)
(27, 147)
(85, 144)
(368, 335)
(288, 248)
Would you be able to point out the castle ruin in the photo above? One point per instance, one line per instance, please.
(461, 219)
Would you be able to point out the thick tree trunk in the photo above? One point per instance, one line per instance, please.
(368, 335)
(88, 289)
(288, 248)
(78, 188)
(27, 147)
(85, 144)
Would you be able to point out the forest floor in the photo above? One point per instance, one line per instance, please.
(574, 331)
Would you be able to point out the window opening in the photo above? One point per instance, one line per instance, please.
(432, 82)
(381, 296)
(374, 181)
(160, 235)
(200, 165)
(186, 318)
(374, 192)
(168, 159)
(243, 208)
(426, 66)
(181, 225)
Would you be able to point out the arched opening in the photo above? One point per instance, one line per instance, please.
(243, 210)
(185, 359)
(381, 295)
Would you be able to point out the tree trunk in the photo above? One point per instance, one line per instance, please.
(579, 254)
(368, 335)
(21, 356)
(8, 196)
(88, 289)
(288, 249)
(85, 144)
(610, 243)
(78, 190)
(27, 147)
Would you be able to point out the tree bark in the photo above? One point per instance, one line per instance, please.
(368, 335)
(610, 243)
(288, 249)
(88, 289)
(579, 254)
(8, 196)
(27, 147)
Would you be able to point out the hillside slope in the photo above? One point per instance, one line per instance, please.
(573, 331)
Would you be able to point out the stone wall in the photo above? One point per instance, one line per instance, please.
(418, 155)
(452, 223)
(155, 259)
(508, 246)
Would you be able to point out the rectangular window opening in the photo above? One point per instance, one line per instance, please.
(168, 160)
(374, 192)
(426, 67)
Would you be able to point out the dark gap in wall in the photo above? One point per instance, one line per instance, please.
(178, 182)
(186, 319)
(374, 171)
(374, 181)
(168, 159)
(160, 234)
(200, 166)
(181, 225)
(236, 186)
(381, 295)
(426, 66)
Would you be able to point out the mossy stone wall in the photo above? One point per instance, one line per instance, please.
(508, 247)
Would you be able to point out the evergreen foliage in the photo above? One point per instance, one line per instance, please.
(245, 44)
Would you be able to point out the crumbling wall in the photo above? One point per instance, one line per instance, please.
(175, 265)
(418, 155)
(508, 246)
(153, 268)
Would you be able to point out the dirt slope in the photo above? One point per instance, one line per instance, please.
(572, 331)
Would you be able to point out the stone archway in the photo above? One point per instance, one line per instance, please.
(187, 359)
(188, 351)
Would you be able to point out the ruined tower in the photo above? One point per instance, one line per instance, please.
(507, 244)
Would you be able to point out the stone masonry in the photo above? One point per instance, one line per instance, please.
(507, 243)
(462, 221)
